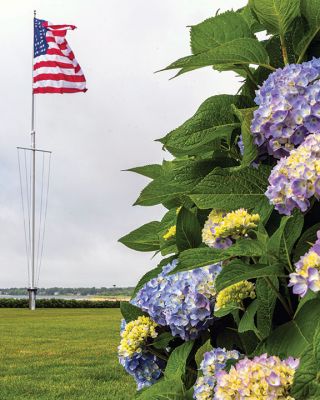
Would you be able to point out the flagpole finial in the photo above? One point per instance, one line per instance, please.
(34, 13)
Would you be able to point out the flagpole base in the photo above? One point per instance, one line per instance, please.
(32, 298)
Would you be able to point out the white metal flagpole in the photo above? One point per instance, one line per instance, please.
(33, 290)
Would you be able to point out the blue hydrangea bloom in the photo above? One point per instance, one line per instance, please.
(213, 362)
(289, 108)
(183, 301)
(144, 367)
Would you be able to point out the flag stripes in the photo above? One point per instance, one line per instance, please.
(55, 69)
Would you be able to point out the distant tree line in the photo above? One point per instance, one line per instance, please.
(59, 303)
(55, 291)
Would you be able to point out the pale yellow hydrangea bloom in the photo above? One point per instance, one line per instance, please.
(221, 228)
(171, 232)
(135, 335)
(257, 379)
(235, 294)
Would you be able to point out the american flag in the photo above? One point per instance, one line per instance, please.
(55, 69)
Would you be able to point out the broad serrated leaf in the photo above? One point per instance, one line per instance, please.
(165, 389)
(247, 322)
(206, 347)
(292, 338)
(194, 258)
(266, 301)
(176, 365)
(213, 120)
(230, 308)
(237, 271)
(178, 181)
(188, 233)
(145, 238)
(230, 190)
(218, 30)
(150, 171)
(162, 341)
(310, 9)
(276, 15)
(250, 150)
(251, 20)
(129, 311)
(243, 51)
(282, 241)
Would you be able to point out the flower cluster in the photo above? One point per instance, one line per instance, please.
(135, 335)
(145, 367)
(235, 294)
(183, 301)
(289, 108)
(221, 229)
(213, 362)
(264, 377)
(307, 271)
(296, 178)
(171, 232)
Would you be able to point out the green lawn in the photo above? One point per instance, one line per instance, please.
(61, 354)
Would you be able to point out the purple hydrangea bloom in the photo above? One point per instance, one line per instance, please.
(289, 108)
(183, 301)
(307, 271)
(296, 178)
(145, 367)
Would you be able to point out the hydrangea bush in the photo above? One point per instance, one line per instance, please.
(231, 312)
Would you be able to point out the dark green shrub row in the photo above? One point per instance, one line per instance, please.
(59, 303)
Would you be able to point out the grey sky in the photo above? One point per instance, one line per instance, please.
(118, 43)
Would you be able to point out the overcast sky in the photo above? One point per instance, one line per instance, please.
(93, 136)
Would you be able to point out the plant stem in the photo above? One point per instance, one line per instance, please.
(284, 49)
(280, 297)
(250, 76)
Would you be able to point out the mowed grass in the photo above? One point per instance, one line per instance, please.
(61, 354)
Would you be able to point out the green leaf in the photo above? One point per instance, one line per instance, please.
(243, 51)
(250, 152)
(291, 338)
(282, 241)
(251, 20)
(276, 15)
(194, 258)
(266, 301)
(247, 321)
(303, 245)
(206, 347)
(237, 271)
(188, 233)
(228, 309)
(162, 341)
(150, 171)
(213, 120)
(306, 381)
(230, 190)
(145, 238)
(218, 30)
(177, 181)
(165, 389)
(310, 9)
(177, 361)
(129, 311)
